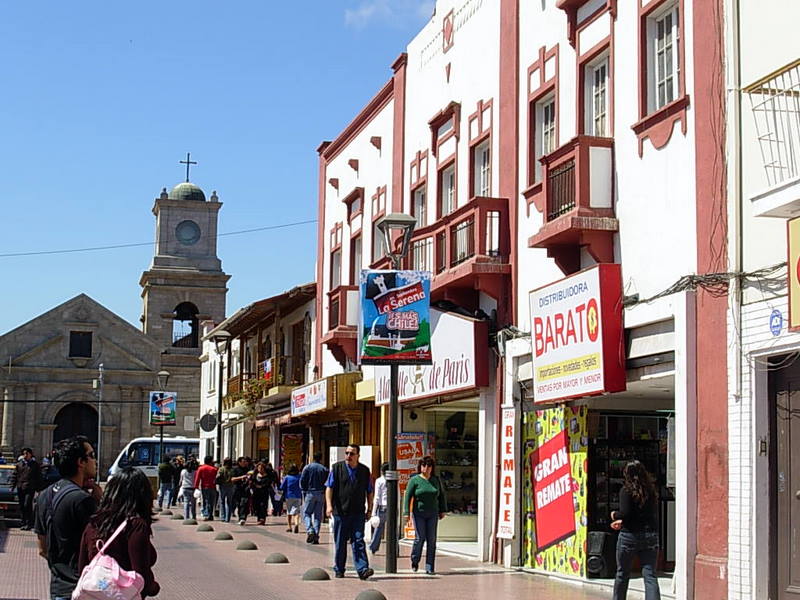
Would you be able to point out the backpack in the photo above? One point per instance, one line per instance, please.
(103, 578)
(56, 494)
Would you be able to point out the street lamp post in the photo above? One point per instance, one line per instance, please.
(220, 338)
(163, 379)
(99, 418)
(393, 226)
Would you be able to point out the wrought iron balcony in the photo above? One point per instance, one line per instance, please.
(461, 247)
(775, 106)
(576, 197)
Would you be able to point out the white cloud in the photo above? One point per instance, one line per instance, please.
(370, 12)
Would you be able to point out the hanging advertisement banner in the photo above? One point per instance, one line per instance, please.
(267, 369)
(395, 323)
(554, 492)
(507, 514)
(162, 408)
(310, 398)
(578, 343)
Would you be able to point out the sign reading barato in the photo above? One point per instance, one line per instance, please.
(578, 345)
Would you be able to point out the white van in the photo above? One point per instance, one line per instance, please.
(143, 454)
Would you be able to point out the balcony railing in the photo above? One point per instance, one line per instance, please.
(285, 370)
(237, 382)
(477, 230)
(342, 306)
(561, 190)
(775, 103)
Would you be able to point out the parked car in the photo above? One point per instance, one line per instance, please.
(9, 505)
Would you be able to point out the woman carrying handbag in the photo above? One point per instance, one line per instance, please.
(121, 530)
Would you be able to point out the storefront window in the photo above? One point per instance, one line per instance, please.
(456, 440)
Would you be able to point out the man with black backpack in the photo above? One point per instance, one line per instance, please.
(63, 510)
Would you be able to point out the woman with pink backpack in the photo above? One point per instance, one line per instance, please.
(120, 531)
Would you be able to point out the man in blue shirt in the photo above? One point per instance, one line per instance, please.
(312, 483)
(348, 493)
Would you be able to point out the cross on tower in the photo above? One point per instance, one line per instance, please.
(188, 162)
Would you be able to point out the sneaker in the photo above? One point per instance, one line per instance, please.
(414, 567)
(366, 574)
(310, 537)
(241, 521)
(338, 574)
(430, 572)
(316, 539)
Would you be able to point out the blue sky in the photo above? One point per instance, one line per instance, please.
(102, 99)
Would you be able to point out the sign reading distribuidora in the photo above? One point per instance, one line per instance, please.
(577, 335)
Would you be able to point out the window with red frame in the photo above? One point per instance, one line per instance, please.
(355, 203)
(543, 137)
(336, 268)
(482, 169)
(596, 104)
(663, 56)
(355, 259)
(447, 190)
(419, 206)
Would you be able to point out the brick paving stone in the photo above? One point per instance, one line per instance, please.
(192, 566)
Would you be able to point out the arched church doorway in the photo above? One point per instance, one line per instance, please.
(185, 326)
(76, 418)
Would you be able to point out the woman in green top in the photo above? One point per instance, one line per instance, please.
(426, 492)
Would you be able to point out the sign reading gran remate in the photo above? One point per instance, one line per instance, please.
(578, 347)
(552, 492)
(395, 317)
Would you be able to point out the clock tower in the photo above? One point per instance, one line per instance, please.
(184, 286)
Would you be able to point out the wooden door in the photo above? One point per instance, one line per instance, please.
(298, 353)
(785, 469)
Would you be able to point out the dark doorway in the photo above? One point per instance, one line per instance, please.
(76, 418)
(185, 326)
(298, 352)
(784, 396)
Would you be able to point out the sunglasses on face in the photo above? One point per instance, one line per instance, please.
(90, 455)
(351, 453)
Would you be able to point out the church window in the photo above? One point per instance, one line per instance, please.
(185, 326)
(80, 344)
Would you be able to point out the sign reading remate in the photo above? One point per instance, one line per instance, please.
(577, 335)
(507, 517)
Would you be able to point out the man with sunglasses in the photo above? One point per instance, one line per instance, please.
(348, 493)
(63, 510)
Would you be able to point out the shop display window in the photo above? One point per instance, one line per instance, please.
(455, 435)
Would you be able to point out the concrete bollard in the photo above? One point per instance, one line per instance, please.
(223, 536)
(246, 545)
(276, 558)
(190, 521)
(177, 517)
(371, 594)
(316, 574)
(166, 513)
(204, 527)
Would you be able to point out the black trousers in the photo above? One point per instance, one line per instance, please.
(26, 506)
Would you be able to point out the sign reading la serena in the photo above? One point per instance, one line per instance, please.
(577, 335)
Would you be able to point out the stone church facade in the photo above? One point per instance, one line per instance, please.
(49, 386)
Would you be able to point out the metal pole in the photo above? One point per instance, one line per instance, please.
(160, 444)
(99, 423)
(392, 483)
(219, 411)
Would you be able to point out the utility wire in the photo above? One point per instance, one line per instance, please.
(116, 246)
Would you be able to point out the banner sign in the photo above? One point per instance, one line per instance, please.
(578, 347)
(310, 398)
(395, 319)
(268, 369)
(162, 408)
(793, 272)
(507, 518)
(552, 492)
(455, 366)
(410, 448)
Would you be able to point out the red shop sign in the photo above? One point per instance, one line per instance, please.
(552, 492)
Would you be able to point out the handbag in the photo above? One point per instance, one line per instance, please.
(103, 578)
(197, 494)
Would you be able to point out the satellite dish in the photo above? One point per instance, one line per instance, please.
(208, 422)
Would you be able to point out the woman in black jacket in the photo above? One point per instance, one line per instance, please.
(637, 522)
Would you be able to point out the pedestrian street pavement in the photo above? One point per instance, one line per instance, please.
(193, 566)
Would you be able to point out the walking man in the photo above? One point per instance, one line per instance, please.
(166, 477)
(348, 493)
(312, 483)
(204, 481)
(27, 478)
(63, 510)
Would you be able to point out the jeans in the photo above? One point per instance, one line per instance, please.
(629, 545)
(241, 498)
(425, 525)
(26, 506)
(226, 502)
(164, 494)
(209, 500)
(350, 528)
(189, 504)
(312, 511)
(377, 532)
